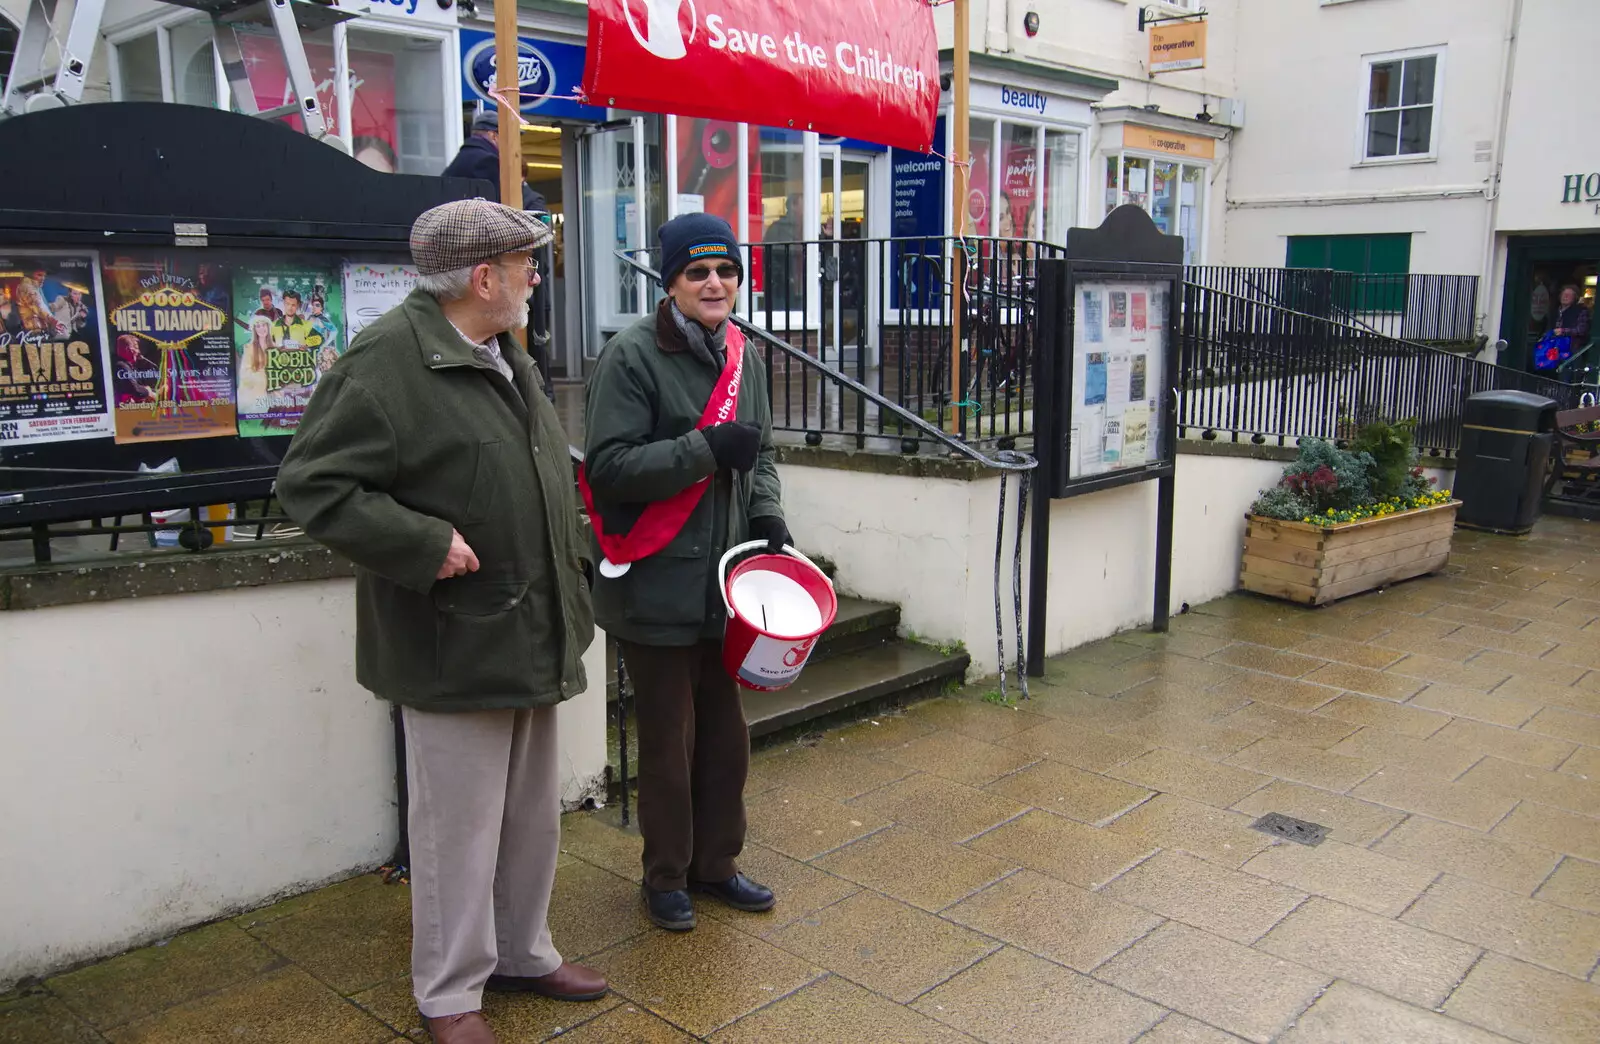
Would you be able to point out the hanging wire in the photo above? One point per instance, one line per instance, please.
(498, 94)
(1024, 481)
(999, 555)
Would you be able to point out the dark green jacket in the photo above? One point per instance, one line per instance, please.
(411, 434)
(644, 399)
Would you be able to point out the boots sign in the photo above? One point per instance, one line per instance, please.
(864, 69)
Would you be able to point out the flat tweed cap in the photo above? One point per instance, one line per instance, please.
(469, 232)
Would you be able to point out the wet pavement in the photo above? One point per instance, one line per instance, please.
(1081, 867)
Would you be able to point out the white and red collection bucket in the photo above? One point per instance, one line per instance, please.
(778, 606)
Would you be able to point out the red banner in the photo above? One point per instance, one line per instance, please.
(865, 69)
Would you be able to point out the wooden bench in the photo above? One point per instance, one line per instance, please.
(1574, 473)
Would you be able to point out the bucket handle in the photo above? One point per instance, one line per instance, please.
(722, 568)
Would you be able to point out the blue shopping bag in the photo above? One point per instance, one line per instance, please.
(1551, 351)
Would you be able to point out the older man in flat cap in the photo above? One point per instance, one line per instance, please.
(430, 458)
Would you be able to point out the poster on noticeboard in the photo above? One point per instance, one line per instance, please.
(54, 375)
(170, 325)
(372, 289)
(1118, 371)
(288, 323)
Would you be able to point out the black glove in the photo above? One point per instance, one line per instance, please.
(735, 445)
(771, 529)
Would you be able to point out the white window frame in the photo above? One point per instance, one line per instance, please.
(162, 24)
(1437, 52)
(1202, 205)
(449, 69)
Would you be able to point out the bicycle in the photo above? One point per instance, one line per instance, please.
(991, 322)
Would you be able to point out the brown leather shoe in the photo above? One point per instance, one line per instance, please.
(467, 1028)
(570, 982)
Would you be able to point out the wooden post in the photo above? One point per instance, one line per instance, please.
(960, 149)
(505, 54)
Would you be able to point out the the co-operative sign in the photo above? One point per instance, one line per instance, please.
(547, 73)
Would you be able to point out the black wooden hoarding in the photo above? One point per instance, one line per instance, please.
(178, 200)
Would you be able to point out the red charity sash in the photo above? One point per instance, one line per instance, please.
(664, 519)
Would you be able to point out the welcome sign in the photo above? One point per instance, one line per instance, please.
(859, 68)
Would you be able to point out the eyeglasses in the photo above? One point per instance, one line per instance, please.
(700, 273)
(532, 266)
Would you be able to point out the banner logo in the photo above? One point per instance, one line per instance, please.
(662, 35)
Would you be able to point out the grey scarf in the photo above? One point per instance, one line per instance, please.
(709, 346)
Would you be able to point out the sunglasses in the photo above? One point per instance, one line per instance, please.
(700, 273)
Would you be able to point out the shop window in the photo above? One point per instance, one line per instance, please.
(1016, 209)
(1170, 191)
(139, 70)
(1060, 185)
(708, 168)
(1399, 114)
(980, 178)
(194, 64)
(397, 117)
(1191, 201)
(777, 271)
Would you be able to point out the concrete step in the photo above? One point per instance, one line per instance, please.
(859, 625)
(853, 684)
(843, 687)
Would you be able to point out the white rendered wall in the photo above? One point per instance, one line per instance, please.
(167, 761)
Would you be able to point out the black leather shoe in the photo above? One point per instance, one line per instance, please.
(670, 910)
(739, 892)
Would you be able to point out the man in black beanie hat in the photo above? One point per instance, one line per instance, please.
(679, 468)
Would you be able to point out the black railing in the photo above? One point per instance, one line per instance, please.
(1412, 307)
(879, 311)
(1253, 371)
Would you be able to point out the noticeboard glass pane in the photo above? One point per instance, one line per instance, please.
(1119, 371)
(121, 361)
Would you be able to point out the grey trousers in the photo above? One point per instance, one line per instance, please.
(485, 823)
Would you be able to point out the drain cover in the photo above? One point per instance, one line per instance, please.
(1296, 830)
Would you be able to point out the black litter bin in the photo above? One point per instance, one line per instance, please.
(1506, 442)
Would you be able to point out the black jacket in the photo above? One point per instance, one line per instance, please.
(480, 159)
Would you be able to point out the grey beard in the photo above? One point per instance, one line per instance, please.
(512, 317)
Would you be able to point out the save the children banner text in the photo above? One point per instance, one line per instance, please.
(866, 69)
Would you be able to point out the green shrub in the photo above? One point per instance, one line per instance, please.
(1377, 476)
(1392, 447)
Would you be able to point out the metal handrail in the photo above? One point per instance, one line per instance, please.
(1004, 460)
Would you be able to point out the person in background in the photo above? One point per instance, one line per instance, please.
(294, 329)
(375, 153)
(429, 458)
(785, 258)
(268, 309)
(479, 158)
(1572, 319)
(646, 450)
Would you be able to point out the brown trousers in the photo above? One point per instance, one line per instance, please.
(694, 754)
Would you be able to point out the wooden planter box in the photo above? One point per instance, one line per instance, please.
(1314, 565)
